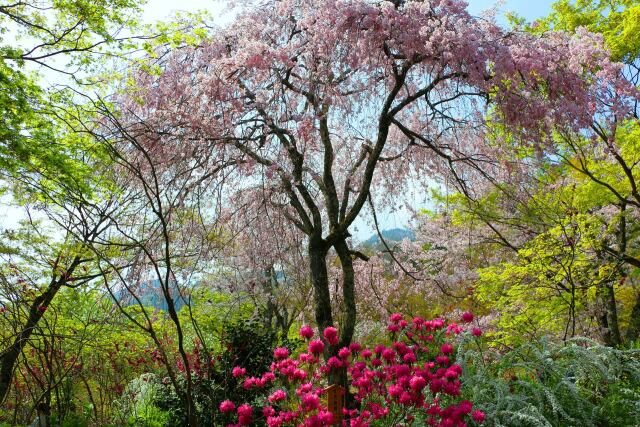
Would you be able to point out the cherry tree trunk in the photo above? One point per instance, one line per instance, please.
(349, 316)
(348, 293)
(320, 282)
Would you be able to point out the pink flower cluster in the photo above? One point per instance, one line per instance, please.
(413, 376)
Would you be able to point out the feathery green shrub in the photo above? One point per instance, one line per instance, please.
(542, 383)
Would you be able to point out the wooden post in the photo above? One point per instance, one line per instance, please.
(335, 402)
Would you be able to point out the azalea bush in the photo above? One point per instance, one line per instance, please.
(411, 381)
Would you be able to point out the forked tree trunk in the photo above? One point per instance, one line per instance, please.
(320, 280)
(349, 316)
(274, 316)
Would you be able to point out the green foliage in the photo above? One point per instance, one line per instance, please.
(568, 229)
(40, 153)
(213, 311)
(63, 27)
(579, 383)
(91, 355)
(557, 269)
(34, 151)
(136, 405)
(73, 420)
(617, 20)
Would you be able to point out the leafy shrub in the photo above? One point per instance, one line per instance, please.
(546, 384)
(621, 405)
(244, 343)
(73, 420)
(136, 406)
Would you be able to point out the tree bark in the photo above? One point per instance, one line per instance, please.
(608, 314)
(320, 282)
(274, 316)
(349, 318)
(190, 405)
(348, 293)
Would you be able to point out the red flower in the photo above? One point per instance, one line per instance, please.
(478, 416)
(446, 348)
(316, 347)
(331, 335)
(281, 353)
(227, 406)
(277, 396)
(344, 353)
(395, 317)
(417, 383)
(334, 362)
(238, 372)
(394, 390)
(393, 328)
(245, 414)
(306, 332)
(268, 411)
(310, 402)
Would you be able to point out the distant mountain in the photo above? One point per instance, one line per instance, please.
(391, 235)
(150, 295)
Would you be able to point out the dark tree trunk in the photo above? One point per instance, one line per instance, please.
(612, 313)
(608, 314)
(9, 357)
(320, 281)
(348, 293)
(44, 413)
(349, 318)
(190, 405)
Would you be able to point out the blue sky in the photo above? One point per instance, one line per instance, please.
(530, 9)
(160, 9)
